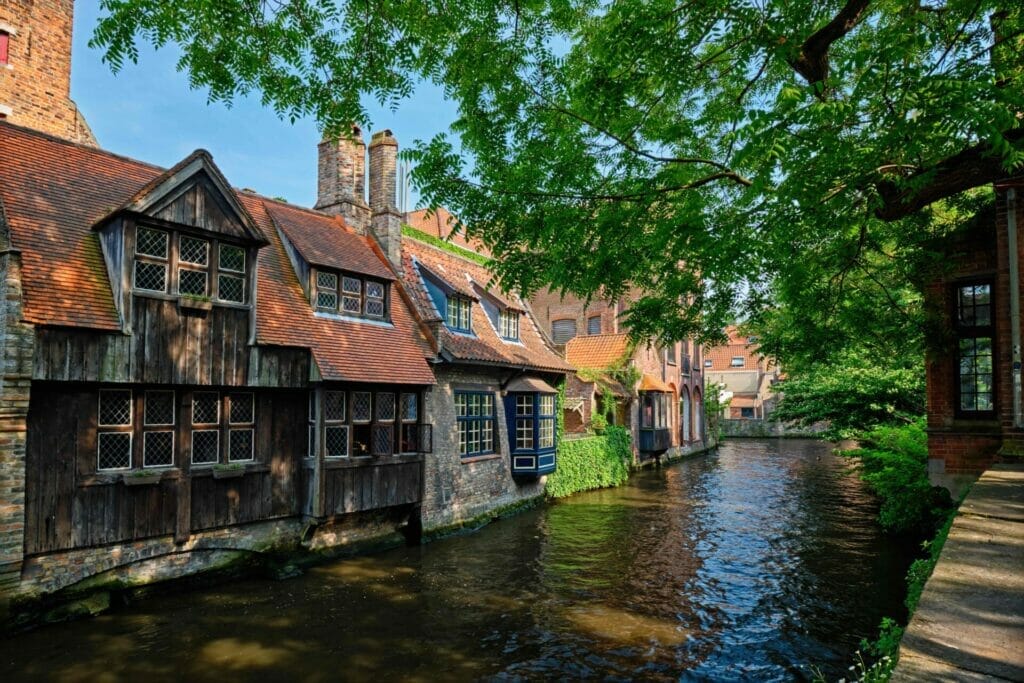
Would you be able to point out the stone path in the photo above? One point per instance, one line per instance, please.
(969, 625)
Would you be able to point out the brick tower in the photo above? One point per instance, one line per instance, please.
(35, 68)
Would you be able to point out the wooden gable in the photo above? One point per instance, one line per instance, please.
(195, 194)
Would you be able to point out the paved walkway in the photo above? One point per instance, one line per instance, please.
(969, 625)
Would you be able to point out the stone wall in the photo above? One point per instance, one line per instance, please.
(458, 490)
(35, 86)
(16, 349)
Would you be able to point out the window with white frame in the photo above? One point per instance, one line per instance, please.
(524, 422)
(474, 413)
(545, 421)
(460, 313)
(510, 325)
(114, 437)
(737, 362)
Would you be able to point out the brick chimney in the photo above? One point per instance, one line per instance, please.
(341, 179)
(386, 219)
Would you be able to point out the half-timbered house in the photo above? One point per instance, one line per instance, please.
(193, 371)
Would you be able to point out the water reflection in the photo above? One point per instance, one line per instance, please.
(745, 564)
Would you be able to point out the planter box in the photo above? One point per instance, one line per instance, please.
(142, 479)
(228, 472)
(199, 305)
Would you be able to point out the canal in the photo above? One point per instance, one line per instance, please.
(750, 563)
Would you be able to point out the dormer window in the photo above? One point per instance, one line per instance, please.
(510, 325)
(459, 313)
(196, 274)
(737, 362)
(349, 295)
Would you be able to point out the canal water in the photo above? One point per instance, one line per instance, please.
(751, 563)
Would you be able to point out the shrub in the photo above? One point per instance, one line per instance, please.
(598, 423)
(894, 464)
(591, 463)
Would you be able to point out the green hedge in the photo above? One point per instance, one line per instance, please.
(591, 463)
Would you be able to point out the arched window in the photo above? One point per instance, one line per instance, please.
(698, 417)
(684, 413)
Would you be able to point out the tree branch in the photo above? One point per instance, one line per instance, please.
(973, 167)
(812, 62)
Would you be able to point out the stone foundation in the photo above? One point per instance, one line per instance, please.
(458, 490)
(67, 584)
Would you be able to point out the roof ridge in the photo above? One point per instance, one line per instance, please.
(445, 251)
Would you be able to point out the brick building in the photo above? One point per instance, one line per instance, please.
(746, 376)
(663, 410)
(975, 415)
(495, 398)
(35, 68)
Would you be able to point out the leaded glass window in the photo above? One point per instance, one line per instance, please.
(974, 349)
(475, 416)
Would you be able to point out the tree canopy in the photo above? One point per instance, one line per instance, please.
(775, 159)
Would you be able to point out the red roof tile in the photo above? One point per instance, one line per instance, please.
(738, 345)
(324, 241)
(596, 351)
(53, 191)
(484, 345)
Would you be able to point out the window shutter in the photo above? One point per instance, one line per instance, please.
(563, 330)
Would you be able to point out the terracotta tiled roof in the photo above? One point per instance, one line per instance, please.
(738, 345)
(742, 402)
(596, 351)
(652, 383)
(53, 191)
(323, 241)
(484, 345)
(441, 224)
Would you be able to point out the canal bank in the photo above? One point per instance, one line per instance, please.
(744, 564)
(969, 623)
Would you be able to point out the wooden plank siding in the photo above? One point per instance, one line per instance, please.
(71, 505)
(165, 347)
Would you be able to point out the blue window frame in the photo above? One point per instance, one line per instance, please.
(531, 423)
(474, 413)
(459, 313)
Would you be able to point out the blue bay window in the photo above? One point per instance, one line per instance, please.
(530, 413)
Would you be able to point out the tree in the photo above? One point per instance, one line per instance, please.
(600, 145)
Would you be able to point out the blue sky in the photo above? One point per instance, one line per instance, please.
(148, 112)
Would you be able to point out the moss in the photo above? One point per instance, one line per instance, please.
(409, 231)
(481, 520)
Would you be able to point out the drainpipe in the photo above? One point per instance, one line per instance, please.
(1013, 258)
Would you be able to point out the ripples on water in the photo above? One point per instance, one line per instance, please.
(750, 563)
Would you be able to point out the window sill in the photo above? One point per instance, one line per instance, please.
(207, 470)
(480, 458)
(377, 322)
(370, 461)
(116, 476)
(177, 298)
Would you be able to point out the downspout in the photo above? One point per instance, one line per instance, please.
(1014, 258)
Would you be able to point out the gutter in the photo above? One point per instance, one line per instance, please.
(1013, 258)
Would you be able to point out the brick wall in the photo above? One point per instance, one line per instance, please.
(960, 448)
(36, 84)
(549, 306)
(457, 490)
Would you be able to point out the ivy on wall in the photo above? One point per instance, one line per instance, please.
(591, 463)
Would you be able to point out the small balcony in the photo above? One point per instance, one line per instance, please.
(653, 440)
